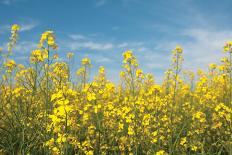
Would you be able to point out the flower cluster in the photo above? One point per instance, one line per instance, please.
(46, 111)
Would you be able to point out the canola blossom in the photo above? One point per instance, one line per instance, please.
(44, 110)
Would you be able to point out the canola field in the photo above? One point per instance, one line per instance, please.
(45, 111)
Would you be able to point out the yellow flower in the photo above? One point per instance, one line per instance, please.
(14, 36)
(120, 126)
(69, 55)
(55, 56)
(85, 61)
(161, 152)
(49, 37)
(130, 130)
(50, 142)
(194, 148)
(101, 70)
(200, 116)
(38, 55)
(51, 41)
(212, 66)
(122, 74)
(97, 108)
(139, 73)
(10, 65)
(89, 153)
(178, 49)
(80, 71)
(55, 150)
(127, 55)
(227, 46)
(183, 141)
(91, 96)
(15, 27)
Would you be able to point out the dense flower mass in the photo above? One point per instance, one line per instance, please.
(44, 110)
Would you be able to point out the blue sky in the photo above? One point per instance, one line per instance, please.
(103, 29)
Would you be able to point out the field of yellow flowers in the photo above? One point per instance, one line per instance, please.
(45, 111)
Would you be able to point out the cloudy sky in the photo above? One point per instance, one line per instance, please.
(104, 29)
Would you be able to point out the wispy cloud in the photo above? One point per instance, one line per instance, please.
(28, 26)
(10, 2)
(122, 45)
(77, 37)
(100, 3)
(115, 28)
(79, 41)
(23, 47)
(90, 45)
(22, 50)
(202, 46)
(102, 59)
(25, 26)
(205, 46)
(5, 28)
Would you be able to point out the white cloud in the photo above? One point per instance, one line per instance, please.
(142, 49)
(79, 41)
(205, 46)
(77, 37)
(24, 26)
(102, 59)
(21, 58)
(155, 60)
(122, 45)
(28, 26)
(23, 47)
(101, 3)
(134, 46)
(90, 45)
(10, 2)
(115, 28)
(202, 46)
(5, 28)
(7, 2)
